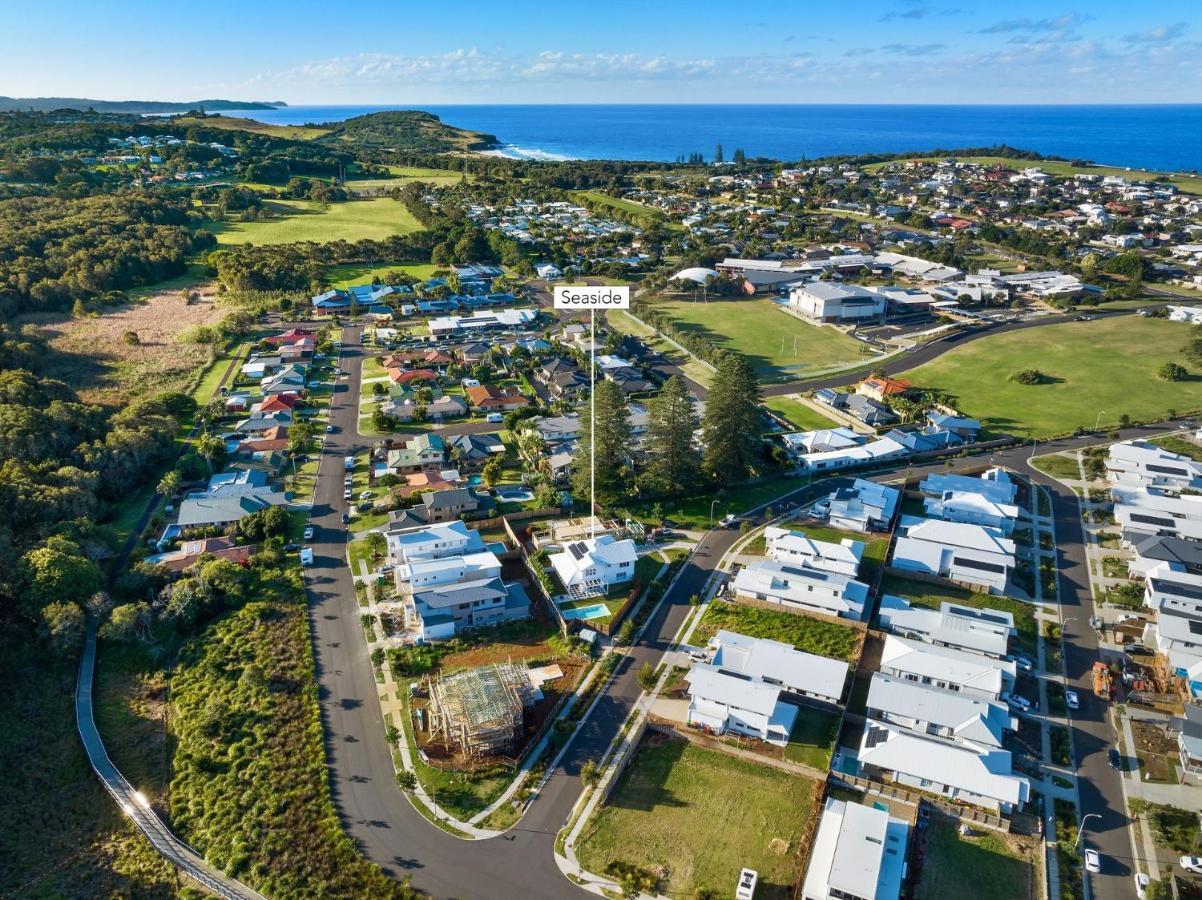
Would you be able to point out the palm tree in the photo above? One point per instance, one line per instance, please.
(208, 446)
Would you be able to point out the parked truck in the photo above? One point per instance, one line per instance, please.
(1102, 686)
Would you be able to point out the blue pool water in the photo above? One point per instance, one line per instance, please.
(596, 611)
(475, 480)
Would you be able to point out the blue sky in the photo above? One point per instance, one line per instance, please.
(683, 51)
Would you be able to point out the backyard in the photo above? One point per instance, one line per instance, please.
(1095, 372)
(812, 740)
(802, 416)
(1000, 866)
(696, 817)
(780, 346)
(803, 632)
(309, 220)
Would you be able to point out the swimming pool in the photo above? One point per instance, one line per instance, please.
(475, 480)
(515, 495)
(596, 611)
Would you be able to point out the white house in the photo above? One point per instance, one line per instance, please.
(796, 588)
(438, 612)
(788, 546)
(806, 443)
(1171, 591)
(972, 508)
(947, 668)
(858, 851)
(779, 664)
(955, 550)
(1147, 511)
(864, 506)
(929, 711)
(956, 771)
(722, 702)
(825, 301)
(418, 574)
(433, 542)
(875, 452)
(589, 568)
(1142, 463)
(985, 631)
(995, 484)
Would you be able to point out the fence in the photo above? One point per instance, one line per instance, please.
(968, 814)
(927, 578)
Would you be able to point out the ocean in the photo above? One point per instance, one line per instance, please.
(1153, 137)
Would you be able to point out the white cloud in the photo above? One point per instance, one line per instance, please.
(1161, 34)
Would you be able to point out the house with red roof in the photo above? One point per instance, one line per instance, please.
(488, 398)
(291, 336)
(880, 388)
(411, 376)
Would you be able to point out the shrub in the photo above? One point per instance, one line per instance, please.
(1028, 376)
(1172, 371)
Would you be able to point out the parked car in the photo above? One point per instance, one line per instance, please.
(367, 495)
(1141, 885)
(1128, 617)
(1023, 663)
(306, 556)
(1191, 864)
(330, 429)
(346, 494)
(308, 532)
(291, 548)
(1071, 700)
(729, 520)
(1116, 759)
(494, 418)
(346, 517)
(1135, 649)
(1093, 861)
(1017, 702)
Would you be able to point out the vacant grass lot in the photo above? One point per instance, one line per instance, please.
(779, 345)
(1176, 444)
(702, 816)
(802, 416)
(308, 220)
(804, 633)
(1059, 465)
(1107, 366)
(999, 866)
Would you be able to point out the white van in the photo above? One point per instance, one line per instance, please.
(494, 417)
(306, 556)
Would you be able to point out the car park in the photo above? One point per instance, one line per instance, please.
(1071, 700)
(1093, 861)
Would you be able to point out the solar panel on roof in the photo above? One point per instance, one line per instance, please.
(577, 550)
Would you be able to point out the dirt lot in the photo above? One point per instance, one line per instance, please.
(98, 362)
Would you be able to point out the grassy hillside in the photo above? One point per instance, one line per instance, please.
(308, 220)
(233, 123)
(404, 130)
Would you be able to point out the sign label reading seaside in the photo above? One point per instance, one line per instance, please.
(596, 296)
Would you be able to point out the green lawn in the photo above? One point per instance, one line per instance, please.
(997, 868)
(350, 274)
(694, 512)
(622, 321)
(1059, 465)
(921, 593)
(811, 635)
(778, 344)
(802, 416)
(1107, 366)
(307, 220)
(703, 816)
(1176, 444)
(813, 738)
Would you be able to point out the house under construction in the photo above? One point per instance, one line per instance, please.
(479, 711)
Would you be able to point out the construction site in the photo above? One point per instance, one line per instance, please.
(479, 712)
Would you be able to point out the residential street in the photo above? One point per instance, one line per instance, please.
(392, 833)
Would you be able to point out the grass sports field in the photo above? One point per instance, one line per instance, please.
(779, 345)
(307, 220)
(702, 816)
(1108, 367)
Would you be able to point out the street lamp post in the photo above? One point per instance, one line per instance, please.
(1081, 826)
(1097, 421)
(712, 502)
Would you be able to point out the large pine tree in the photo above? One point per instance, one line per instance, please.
(673, 463)
(613, 445)
(731, 427)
